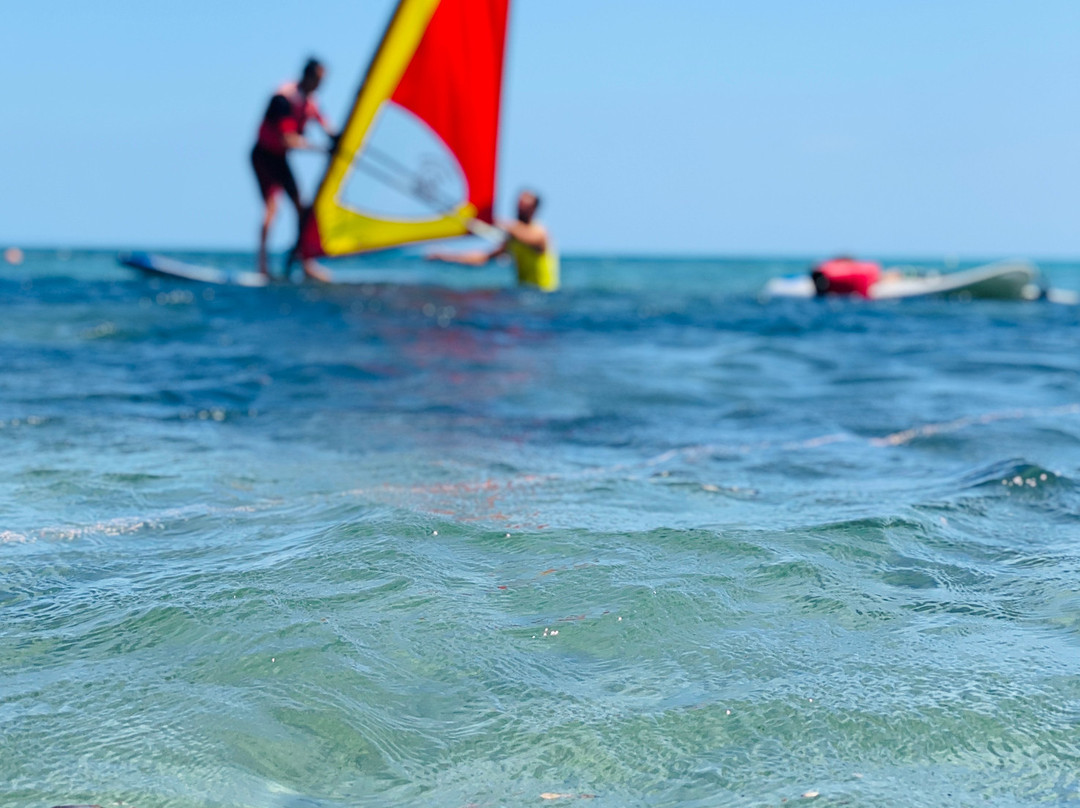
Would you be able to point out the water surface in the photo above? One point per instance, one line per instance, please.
(425, 540)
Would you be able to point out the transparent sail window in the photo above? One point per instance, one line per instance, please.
(404, 171)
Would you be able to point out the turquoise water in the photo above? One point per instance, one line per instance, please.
(647, 542)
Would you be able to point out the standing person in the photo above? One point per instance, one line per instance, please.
(282, 130)
(527, 243)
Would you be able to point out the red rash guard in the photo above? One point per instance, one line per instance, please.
(281, 120)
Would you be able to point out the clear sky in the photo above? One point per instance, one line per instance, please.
(884, 127)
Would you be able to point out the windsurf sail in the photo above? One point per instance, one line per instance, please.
(416, 158)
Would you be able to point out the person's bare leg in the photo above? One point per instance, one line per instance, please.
(311, 269)
(268, 219)
(290, 259)
(314, 271)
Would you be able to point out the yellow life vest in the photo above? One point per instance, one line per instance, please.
(539, 269)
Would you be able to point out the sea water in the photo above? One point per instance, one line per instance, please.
(427, 540)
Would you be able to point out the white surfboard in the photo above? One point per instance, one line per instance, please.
(161, 266)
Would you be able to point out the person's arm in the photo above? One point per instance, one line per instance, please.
(473, 258)
(292, 136)
(294, 141)
(317, 115)
(531, 235)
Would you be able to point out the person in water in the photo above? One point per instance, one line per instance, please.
(844, 275)
(527, 243)
(282, 131)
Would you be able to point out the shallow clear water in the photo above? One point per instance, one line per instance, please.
(434, 544)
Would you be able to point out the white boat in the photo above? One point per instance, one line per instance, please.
(1005, 280)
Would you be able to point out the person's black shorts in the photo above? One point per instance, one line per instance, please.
(273, 173)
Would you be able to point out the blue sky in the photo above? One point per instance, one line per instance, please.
(883, 127)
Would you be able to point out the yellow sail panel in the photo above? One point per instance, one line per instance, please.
(343, 232)
(441, 62)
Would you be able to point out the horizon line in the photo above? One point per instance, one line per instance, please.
(947, 258)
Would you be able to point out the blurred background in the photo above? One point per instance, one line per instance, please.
(893, 128)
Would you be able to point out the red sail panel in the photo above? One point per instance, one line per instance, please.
(454, 84)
